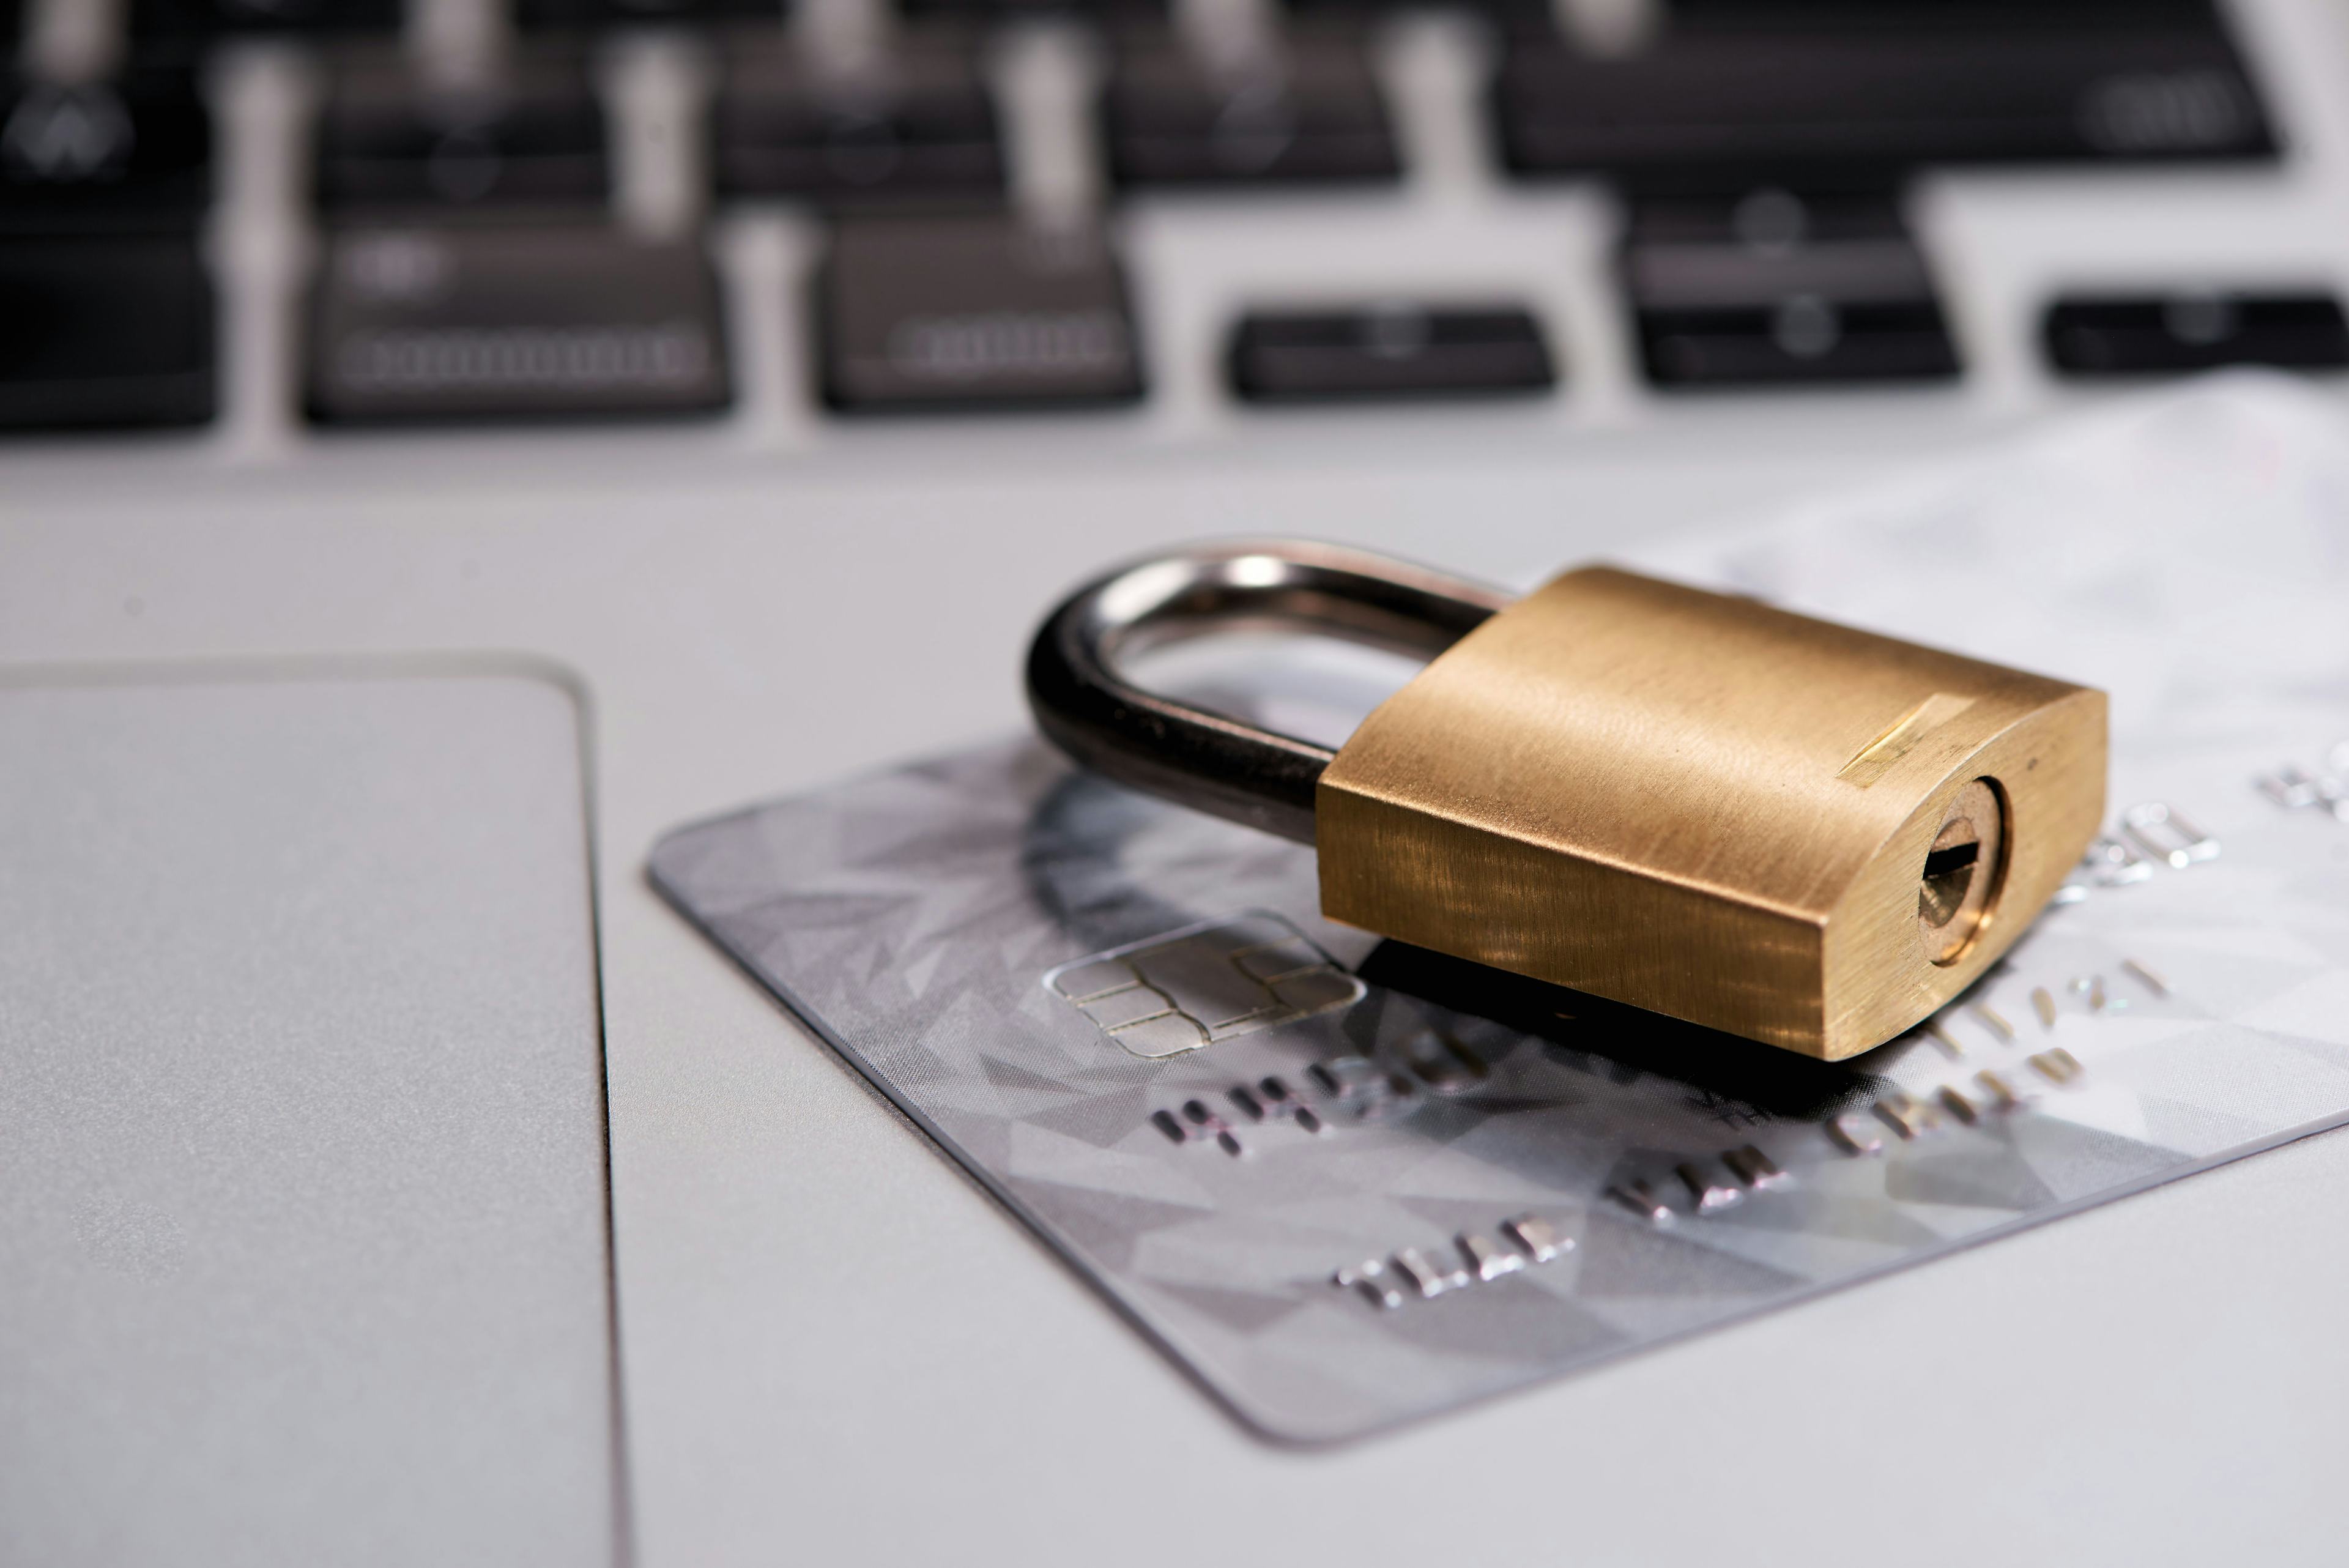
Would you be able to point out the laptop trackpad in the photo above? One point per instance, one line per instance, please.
(304, 1254)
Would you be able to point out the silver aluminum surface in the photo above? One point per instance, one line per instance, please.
(304, 1255)
(1309, 1214)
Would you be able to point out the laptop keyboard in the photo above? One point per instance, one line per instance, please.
(486, 249)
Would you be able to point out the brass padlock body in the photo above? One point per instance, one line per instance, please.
(1714, 809)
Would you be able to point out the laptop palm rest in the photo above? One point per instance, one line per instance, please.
(303, 1241)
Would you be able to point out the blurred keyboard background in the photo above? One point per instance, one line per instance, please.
(1144, 220)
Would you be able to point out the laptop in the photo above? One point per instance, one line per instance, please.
(451, 444)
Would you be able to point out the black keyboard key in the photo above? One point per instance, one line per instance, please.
(1115, 12)
(920, 127)
(134, 153)
(2127, 335)
(1170, 118)
(579, 14)
(1864, 16)
(107, 333)
(1805, 337)
(1397, 349)
(533, 138)
(170, 21)
(1769, 222)
(1774, 288)
(972, 312)
(504, 322)
(1715, 112)
(1536, 16)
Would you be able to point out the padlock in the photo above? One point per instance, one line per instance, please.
(1699, 804)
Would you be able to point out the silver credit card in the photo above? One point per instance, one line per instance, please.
(1347, 1183)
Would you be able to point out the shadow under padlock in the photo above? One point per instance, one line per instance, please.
(1091, 848)
(1592, 1034)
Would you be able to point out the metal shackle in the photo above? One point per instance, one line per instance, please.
(1086, 705)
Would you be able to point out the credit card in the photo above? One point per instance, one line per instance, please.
(1347, 1183)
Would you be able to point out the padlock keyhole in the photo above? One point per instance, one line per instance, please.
(1961, 879)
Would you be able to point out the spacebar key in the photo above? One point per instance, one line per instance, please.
(435, 324)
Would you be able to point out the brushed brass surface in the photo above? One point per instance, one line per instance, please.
(1714, 809)
(1875, 759)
